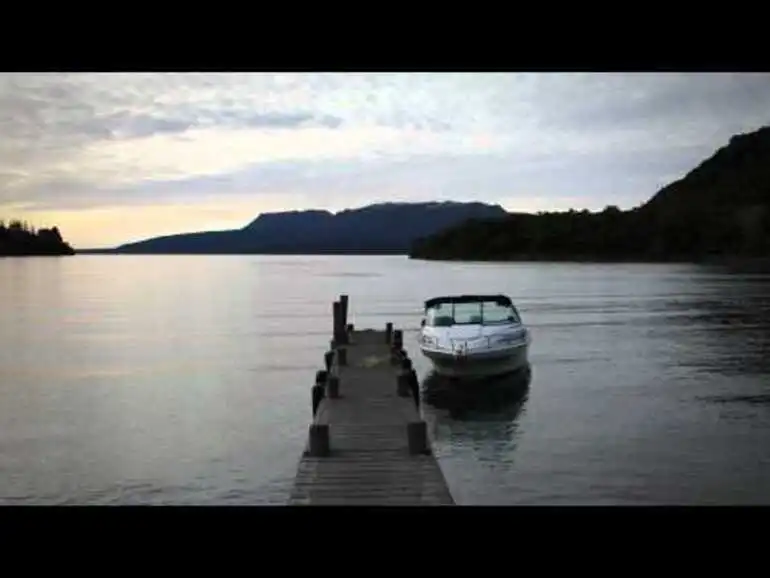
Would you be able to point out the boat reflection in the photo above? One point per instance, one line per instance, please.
(463, 398)
(477, 412)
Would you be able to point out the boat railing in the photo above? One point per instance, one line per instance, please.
(486, 341)
(483, 342)
(469, 344)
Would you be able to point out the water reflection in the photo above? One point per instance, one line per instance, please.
(113, 394)
(482, 414)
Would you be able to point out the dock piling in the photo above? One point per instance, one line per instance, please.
(343, 311)
(402, 384)
(417, 432)
(316, 394)
(414, 386)
(333, 386)
(338, 333)
(319, 445)
(398, 339)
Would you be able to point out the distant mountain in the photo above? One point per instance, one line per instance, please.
(719, 210)
(384, 228)
(19, 239)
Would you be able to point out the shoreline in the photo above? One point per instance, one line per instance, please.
(37, 254)
(554, 259)
(761, 264)
(734, 262)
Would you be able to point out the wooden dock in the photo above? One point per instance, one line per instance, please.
(367, 443)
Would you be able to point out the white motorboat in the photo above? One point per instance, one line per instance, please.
(474, 336)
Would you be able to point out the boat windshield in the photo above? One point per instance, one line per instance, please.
(474, 313)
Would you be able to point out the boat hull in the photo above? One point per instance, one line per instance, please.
(478, 365)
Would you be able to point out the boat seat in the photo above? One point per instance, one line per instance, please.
(443, 321)
(476, 319)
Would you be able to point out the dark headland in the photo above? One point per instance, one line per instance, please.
(718, 212)
(19, 239)
(383, 228)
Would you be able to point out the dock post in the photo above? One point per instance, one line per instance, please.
(417, 435)
(328, 358)
(337, 324)
(396, 347)
(402, 384)
(398, 339)
(318, 440)
(414, 385)
(404, 377)
(388, 332)
(334, 386)
(343, 311)
(316, 394)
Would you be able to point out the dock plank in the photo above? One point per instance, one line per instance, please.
(369, 462)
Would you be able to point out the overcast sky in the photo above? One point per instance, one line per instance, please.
(112, 158)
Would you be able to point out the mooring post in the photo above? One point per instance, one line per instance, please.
(403, 384)
(328, 358)
(417, 437)
(317, 394)
(396, 355)
(339, 312)
(337, 322)
(396, 347)
(414, 385)
(321, 375)
(318, 440)
(343, 311)
(334, 386)
(398, 339)
(388, 332)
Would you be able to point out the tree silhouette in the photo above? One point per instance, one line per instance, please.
(720, 209)
(20, 238)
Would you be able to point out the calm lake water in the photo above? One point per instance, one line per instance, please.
(186, 380)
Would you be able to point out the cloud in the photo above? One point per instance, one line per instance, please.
(76, 141)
